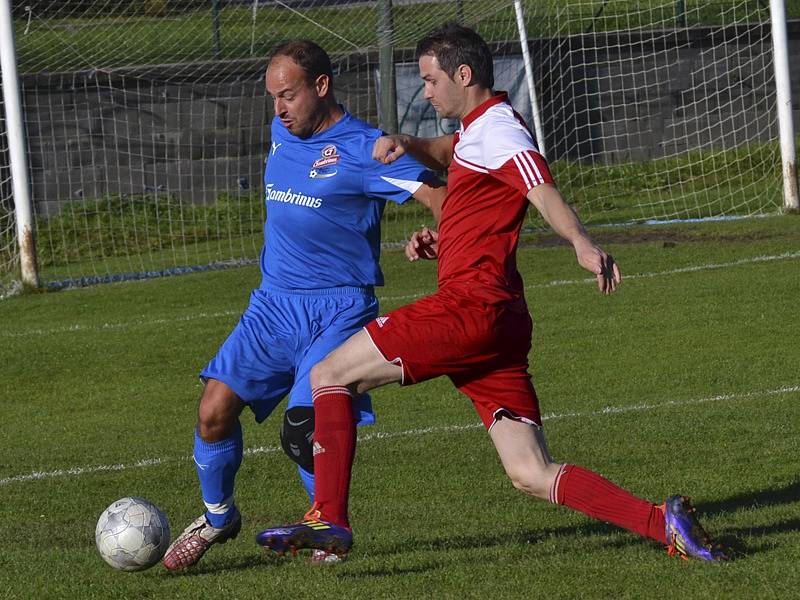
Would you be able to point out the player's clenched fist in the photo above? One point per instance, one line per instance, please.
(388, 148)
(423, 244)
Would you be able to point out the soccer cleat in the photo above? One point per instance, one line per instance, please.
(190, 546)
(309, 533)
(322, 558)
(685, 536)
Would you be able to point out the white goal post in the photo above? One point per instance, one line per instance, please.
(142, 127)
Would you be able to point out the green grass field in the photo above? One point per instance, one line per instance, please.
(686, 381)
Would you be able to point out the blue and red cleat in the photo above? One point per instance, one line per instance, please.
(685, 536)
(309, 533)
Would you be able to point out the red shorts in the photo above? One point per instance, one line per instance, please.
(482, 348)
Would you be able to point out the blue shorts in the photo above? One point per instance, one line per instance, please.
(281, 335)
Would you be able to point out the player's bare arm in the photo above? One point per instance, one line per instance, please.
(560, 216)
(424, 244)
(434, 153)
(432, 194)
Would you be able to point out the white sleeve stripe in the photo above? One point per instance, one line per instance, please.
(527, 167)
(528, 162)
(529, 157)
(522, 172)
(410, 186)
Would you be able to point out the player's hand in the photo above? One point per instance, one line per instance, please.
(593, 259)
(423, 244)
(388, 148)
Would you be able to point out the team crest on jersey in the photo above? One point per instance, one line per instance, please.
(325, 166)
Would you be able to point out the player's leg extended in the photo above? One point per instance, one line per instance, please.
(524, 455)
(355, 367)
(217, 457)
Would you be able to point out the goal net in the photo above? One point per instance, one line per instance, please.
(660, 110)
(147, 122)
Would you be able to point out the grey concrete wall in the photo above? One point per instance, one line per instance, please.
(652, 96)
(200, 130)
(159, 129)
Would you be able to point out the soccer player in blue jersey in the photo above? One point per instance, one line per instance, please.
(324, 196)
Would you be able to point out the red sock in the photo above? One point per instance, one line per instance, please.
(334, 450)
(596, 496)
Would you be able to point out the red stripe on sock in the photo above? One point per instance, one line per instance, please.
(334, 450)
(594, 495)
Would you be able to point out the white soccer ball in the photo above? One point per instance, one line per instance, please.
(132, 534)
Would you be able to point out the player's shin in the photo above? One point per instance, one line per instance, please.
(334, 450)
(596, 496)
(217, 464)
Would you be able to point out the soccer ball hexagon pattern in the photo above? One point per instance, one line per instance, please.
(132, 534)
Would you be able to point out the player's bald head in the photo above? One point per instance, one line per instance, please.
(307, 55)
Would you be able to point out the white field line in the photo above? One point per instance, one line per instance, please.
(693, 269)
(371, 437)
(232, 313)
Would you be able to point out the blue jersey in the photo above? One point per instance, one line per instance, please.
(325, 196)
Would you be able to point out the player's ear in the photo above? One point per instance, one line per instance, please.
(322, 85)
(463, 75)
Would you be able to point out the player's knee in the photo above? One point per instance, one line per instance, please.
(529, 480)
(297, 436)
(218, 413)
(324, 373)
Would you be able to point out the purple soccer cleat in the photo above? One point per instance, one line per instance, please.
(309, 533)
(685, 536)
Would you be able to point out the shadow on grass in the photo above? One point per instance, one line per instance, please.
(787, 494)
(730, 538)
(257, 559)
(522, 538)
(358, 574)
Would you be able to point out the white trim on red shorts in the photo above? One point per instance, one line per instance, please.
(396, 361)
(514, 417)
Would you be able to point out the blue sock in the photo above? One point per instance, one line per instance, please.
(217, 464)
(308, 482)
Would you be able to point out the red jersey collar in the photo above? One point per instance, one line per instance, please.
(483, 107)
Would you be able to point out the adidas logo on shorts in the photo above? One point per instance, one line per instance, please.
(317, 449)
(381, 321)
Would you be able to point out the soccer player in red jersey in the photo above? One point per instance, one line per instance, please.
(476, 328)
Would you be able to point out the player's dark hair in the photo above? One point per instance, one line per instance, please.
(454, 45)
(308, 56)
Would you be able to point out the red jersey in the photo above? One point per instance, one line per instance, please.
(495, 164)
